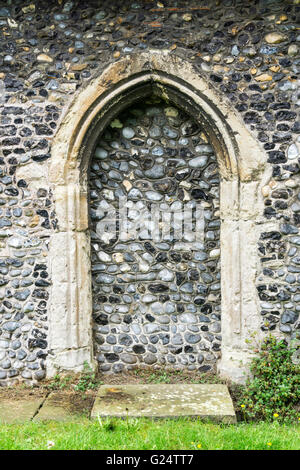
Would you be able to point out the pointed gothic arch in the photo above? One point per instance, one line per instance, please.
(242, 171)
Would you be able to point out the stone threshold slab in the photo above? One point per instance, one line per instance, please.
(202, 401)
(19, 410)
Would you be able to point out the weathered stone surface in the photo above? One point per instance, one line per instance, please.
(207, 402)
(19, 410)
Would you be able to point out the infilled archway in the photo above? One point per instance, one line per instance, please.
(241, 169)
(155, 237)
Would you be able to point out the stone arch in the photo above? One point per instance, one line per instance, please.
(242, 170)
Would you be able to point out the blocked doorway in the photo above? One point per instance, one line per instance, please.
(242, 174)
(155, 226)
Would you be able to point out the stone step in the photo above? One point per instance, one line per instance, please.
(202, 401)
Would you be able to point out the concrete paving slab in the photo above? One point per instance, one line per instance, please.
(19, 410)
(203, 401)
(59, 406)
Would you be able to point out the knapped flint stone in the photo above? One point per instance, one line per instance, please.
(289, 317)
(22, 295)
(125, 340)
(166, 275)
(199, 194)
(99, 338)
(192, 338)
(288, 229)
(166, 186)
(40, 375)
(150, 328)
(187, 287)
(285, 329)
(156, 288)
(37, 343)
(138, 349)
(150, 359)
(10, 326)
(156, 172)
(153, 195)
(180, 278)
(101, 319)
(182, 174)
(6, 364)
(128, 358)
(104, 278)
(198, 162)
(111, 357)
(189, 128)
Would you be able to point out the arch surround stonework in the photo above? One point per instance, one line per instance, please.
(242, 171)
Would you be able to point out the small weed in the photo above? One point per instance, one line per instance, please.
(273, 393)
(55, 382)
(87, 380)
(60, 382)
(162, 377)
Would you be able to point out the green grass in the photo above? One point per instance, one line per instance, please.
(143, 434)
